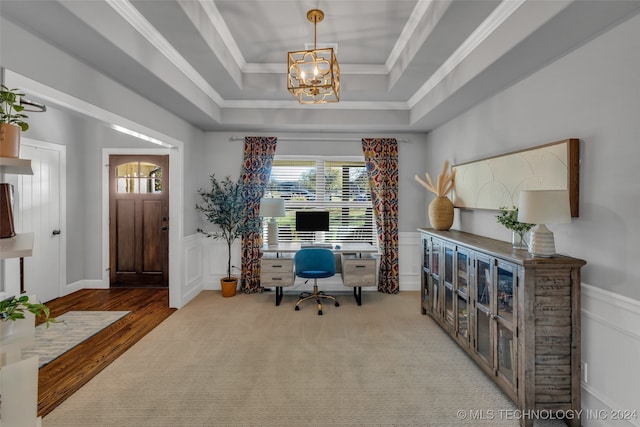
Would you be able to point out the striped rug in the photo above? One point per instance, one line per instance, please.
(69, 330)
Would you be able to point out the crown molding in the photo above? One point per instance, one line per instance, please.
(130, 14)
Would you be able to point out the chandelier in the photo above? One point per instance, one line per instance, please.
(314, 75)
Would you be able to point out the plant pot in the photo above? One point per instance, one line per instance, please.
(229, 286)
(9, 140)
(441, 213)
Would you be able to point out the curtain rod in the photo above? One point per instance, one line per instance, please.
(332, 139)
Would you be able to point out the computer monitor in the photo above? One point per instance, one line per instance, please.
(312, 221)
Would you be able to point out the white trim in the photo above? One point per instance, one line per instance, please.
(82, 284)
(610, 343)
(501, 13)
(176, 178)
(62, 150)
(175, 215)
(54, 96)
(137, 21)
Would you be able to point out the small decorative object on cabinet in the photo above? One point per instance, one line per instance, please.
(509, 218)
(516, 315)
(440, 208)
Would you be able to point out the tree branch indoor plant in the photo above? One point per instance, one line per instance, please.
(224, 206)
(11, 122)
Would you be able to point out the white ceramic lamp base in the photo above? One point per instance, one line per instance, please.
(541, 242)
(272, 236)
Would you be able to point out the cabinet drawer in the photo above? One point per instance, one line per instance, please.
(277, 265)
(283, 278)
(358, 271)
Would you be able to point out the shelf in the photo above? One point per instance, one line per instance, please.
(15, 166)
(21, 245)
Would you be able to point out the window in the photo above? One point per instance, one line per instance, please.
(139, 177)
(339, 186)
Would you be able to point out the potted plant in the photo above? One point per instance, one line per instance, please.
(509, 218)
(224, 206)
(14, 309)
(11, 122)
(440, 208)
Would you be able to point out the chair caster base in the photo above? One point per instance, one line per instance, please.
(337, 304)
(297, 308)
(319, 312)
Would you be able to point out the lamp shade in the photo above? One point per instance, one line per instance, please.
(271, 207)
(544, 207)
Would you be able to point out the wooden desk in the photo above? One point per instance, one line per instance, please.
(359, 266)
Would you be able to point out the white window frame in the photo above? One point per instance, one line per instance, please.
(366, 234)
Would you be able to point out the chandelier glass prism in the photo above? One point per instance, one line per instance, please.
(314, 75)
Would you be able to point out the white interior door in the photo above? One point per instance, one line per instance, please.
(38, 209)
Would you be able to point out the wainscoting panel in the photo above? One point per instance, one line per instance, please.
(192, 262)
(610, 355)
(409, 260)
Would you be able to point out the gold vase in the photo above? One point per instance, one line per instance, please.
(441, 213)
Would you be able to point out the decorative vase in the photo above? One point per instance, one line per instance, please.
(441, 213)
(9, 140)
(519, 239)
(229, 286)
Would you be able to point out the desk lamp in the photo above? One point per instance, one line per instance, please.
(271, 207)
(543, 207)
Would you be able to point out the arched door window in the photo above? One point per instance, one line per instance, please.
(139, 177)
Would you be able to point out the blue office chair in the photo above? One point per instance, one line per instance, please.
(314, 263)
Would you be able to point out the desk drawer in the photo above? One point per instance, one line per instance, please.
(276, 272)
(277, 265)
(282, 278)
(358, 271)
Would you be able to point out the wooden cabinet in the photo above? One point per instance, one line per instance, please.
(516, 315)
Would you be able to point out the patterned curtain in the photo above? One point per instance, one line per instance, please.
(381, 158)
(258, 159)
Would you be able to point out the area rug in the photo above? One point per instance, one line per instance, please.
(69, 330)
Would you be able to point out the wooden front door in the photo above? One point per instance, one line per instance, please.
(139, 220)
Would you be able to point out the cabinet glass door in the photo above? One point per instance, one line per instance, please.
(462, 271)
(483, 290)
(506, 361)
(506, 284)
(449, 317)
(436, 285)
(462, 327)
(425, 271)
(461, 289)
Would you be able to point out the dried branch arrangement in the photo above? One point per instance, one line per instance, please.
(444, 184)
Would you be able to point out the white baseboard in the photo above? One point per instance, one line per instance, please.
(83, 284)
(611, 350)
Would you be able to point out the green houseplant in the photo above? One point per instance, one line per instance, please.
(509, 218)
(223, 205)
(14, 308)
(12, 121)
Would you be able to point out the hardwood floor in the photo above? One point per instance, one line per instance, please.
(63, 376)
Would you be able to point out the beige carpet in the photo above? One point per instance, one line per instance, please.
(242, 361)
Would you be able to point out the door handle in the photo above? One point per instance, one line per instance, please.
(163, 228)
(55, 232)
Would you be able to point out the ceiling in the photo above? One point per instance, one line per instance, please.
(406, 65)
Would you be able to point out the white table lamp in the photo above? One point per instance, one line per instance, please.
(271, 207)
(543, 207)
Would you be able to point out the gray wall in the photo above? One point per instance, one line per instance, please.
(592, 94)
(86, 137)
(224, 157)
